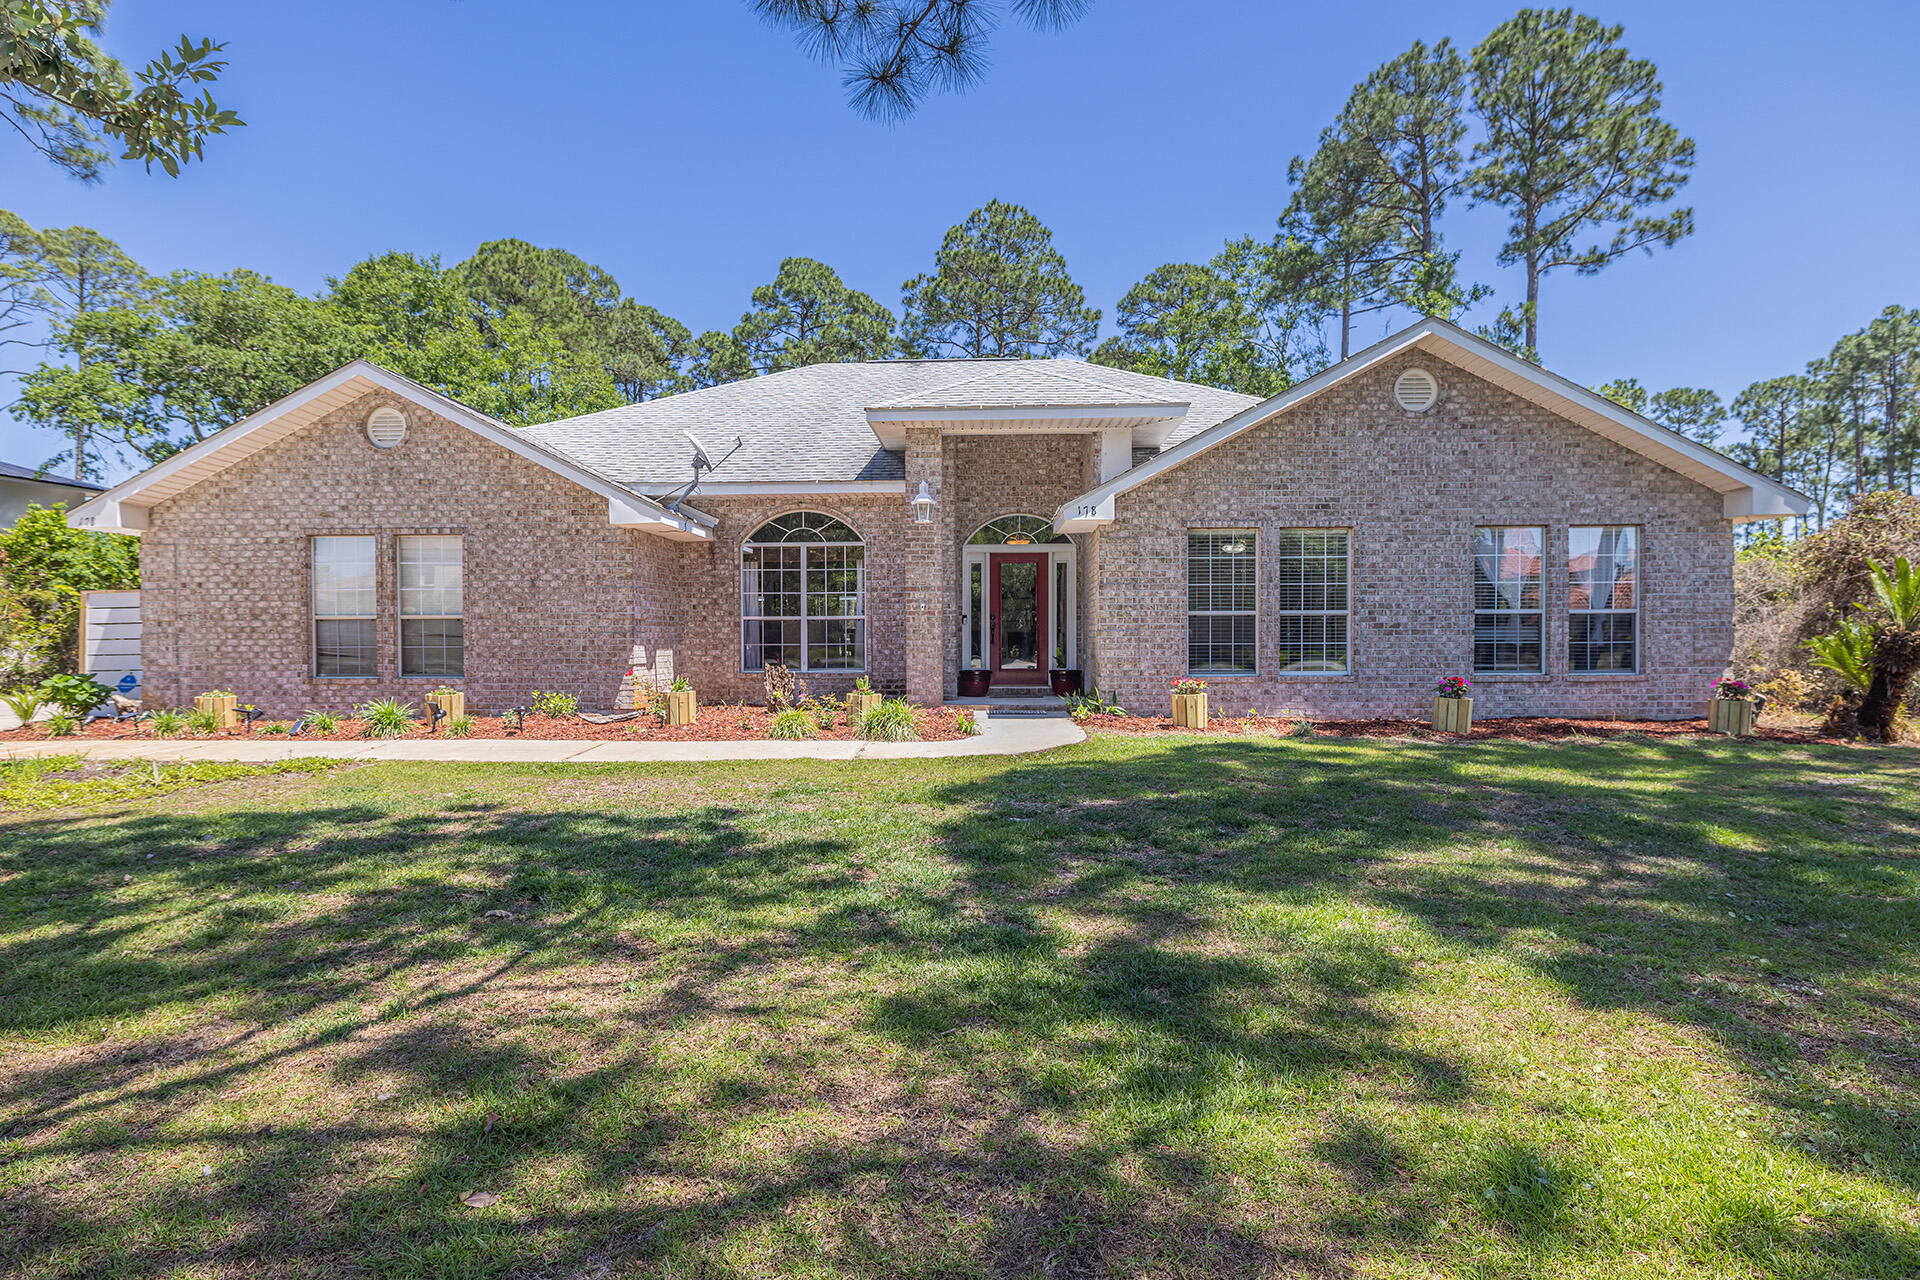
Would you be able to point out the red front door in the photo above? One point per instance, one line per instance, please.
(1017, 608)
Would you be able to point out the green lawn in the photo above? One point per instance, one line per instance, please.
(1146, 1007)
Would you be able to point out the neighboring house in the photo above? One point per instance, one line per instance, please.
(1429, 507)
(22, 487)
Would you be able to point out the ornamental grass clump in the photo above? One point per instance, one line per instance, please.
(201, 720)
(166, 724)
(321, 721)
(386, 717)
(62, 725)
(460, 727)
(889, 721)
(794, 724)
(25, 702)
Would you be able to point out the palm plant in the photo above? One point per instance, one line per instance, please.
(1896, 646)
(386, 717)
(1847, 652)
(25, 702)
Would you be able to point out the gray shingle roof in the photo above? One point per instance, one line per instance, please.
(810, 424)
(13, 472)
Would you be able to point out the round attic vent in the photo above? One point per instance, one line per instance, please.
(1416, 390)
(386, 427)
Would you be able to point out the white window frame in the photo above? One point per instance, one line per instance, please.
(1345, 614)
(402, 617)
(313, 604)
(1540, 609)
(1186, 588)
(1639, 546)
(804, 618)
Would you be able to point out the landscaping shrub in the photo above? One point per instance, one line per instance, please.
(966, 721)
(558, 705)
(62, 725)
(889, 721)
(200, 721)
(75, 695)
(24, 702)
(793, 724)
(321, 721)
(460, 727)
(386, 717)
(166, 723)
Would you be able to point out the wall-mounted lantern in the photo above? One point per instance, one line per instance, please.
(923, 505)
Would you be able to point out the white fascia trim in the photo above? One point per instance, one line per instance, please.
(1035, 413)
(802, 488)
(1754, 497)
(120, 508)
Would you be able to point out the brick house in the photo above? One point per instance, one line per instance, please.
(1431, 506)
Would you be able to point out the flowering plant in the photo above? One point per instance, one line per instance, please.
(1728, 687)
(1189, 684)
(1454, 687)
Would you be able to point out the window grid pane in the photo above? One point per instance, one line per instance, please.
(1221, 603)
(803, 600)
(1508, 588)
(432, 578)
(1603, 598)
(345, 634)
(344, 646)
(1311, 567)
(432, 646)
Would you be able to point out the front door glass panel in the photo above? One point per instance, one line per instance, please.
(1019, 597)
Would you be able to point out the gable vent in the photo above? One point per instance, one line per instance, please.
(386, 427)
(1416, 390)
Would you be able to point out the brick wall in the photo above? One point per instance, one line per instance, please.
(1412, 487)
(556, 598)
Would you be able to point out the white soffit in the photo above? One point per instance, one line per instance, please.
(124, 508)
(1150, 424)
(1746, 494)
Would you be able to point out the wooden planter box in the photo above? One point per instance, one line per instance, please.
(858, 704)
(1730, 715)
(1453, 715)
(454, 704)
(1190, 710)
(223, 706)
(681, 707)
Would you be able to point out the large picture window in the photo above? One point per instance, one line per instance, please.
(1221, 602)
(345, 632)
(1310, 568)
(1603, 598)
(432, 600)
(803, 595)
(1508, 614)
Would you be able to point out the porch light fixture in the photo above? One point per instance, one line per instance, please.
(923, 505)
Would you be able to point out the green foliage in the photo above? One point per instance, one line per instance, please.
(65, 97)
(807, 315)
(25, 701)
(37, 782)
(1692, 411)
(890, 720)
(322, 721)
(386, 717)
(61, 725)
(681, 684)
(998, 288)
(824, 710)
(202, 721)
(967, 721)
(274, 726)
(44, 566)
(793, 724)
(460, 727)
(558, 705)
(892, 53)
(74, 695)
(166, 723)
(1574, 147)
(1848, 651)
(1625, 392)
(1897, 588)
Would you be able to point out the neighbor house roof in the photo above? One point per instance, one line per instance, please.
(811, 426)
(1745, 493)
(9, 471)
(124, 508)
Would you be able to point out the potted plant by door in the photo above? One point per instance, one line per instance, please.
(1190, 702)
(861, 700)
(1064, 679)
(1453, 705)
(974, 682)
(1730, 710)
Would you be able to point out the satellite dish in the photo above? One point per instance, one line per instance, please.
(701, 462)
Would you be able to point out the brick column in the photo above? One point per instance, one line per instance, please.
(927, 555)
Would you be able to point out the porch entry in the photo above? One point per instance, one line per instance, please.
(1017, 594)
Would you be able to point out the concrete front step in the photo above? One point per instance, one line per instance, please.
(1038, 705)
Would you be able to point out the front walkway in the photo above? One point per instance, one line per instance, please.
(997, 738)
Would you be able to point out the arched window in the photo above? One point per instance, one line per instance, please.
(803, 595)
(1015, 531)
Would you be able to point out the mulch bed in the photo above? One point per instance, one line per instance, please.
(1520, 728)
(717, 723)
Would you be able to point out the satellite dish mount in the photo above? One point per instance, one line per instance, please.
(701, 463)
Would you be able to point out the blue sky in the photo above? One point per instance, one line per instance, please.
(687, 148)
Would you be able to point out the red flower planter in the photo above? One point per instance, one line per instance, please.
(974, 684)
(1064, 680)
